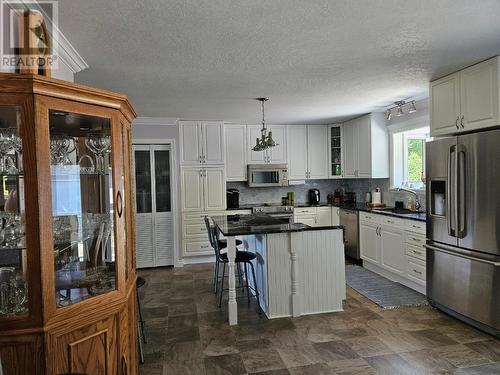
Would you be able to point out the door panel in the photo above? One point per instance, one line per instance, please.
(192, 189)
(317, 151)
(297, 160)
(350, 148)
(479, 95)
(445, 105)
(213, 138)
(236, 151)
(364, 159)
(481, 208)
(215, 189)
(440, 191)
(190, 139)
(278, 153)
(393, 256)
(368, 243)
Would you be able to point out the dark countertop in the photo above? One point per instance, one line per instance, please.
(241, 225)
(354, 206)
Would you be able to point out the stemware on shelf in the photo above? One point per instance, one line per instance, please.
(100, 146)
(61, 147)
(9, 141)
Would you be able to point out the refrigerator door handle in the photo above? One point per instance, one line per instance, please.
(468, 257)
(460, 195)
(451, 192)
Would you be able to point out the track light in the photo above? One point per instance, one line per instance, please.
(399, 106)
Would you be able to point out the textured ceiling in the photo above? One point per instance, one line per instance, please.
(318, 61)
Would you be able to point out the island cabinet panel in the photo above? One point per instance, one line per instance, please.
(69, 265)
(304, 273)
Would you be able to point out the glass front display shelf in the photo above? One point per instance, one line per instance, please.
(13, 255)
(82, 206)
(336, 151)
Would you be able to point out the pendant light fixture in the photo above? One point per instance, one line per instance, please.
(400, 111)
(266, 139)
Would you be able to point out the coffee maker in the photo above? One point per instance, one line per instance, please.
(314, 197)
(233, 199)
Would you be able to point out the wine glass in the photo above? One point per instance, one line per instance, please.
(60, 148)
(100, 146)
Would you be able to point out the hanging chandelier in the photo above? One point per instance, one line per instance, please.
(266, 139)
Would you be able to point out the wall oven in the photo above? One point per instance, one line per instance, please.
(267, 175)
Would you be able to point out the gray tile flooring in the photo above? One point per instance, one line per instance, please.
(188, 334)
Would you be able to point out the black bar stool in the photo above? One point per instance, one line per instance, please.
(141, 336)
(222, 245)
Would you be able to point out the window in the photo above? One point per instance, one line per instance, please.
(408, 158)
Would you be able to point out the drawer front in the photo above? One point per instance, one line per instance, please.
(194, 228)
(415, 239)
(238, 212)
(416, 252)
(416, 271)
(305, 211)
(196, 248)
(392, 221)
(372, 218)
(416, 226)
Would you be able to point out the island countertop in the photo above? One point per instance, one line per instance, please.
(242, 225)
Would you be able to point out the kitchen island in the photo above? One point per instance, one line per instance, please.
(299, 269)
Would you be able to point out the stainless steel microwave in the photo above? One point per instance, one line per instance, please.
(266, 175)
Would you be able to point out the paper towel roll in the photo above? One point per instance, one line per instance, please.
(376, 197)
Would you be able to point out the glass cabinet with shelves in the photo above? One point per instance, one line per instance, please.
(67, 278)
(335, 151)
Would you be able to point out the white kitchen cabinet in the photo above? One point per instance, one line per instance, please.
(308, 156)
(394, 248)
(201, 142)
(466, 100)
(335, 151)
(393, 256)
(236, 152)
(366, 147)
(203, 189)
(276, 155)
(368, 242)
(306, 219)
(313, 216)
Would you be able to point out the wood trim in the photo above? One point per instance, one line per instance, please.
(35, 84)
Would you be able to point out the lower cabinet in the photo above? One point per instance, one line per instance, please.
(194, 232)
(317, 216)
(394, 248)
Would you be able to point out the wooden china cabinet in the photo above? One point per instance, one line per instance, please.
(67, 267)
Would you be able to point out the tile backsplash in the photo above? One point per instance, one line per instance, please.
(250, 195)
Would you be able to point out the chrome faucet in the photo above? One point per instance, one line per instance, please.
(417, 202)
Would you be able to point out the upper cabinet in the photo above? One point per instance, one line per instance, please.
(466, 100)
(366, 147)
(310, 149)
(203, 189)
(335, 151)
(202, 142)
(276, 154)
(236, 152)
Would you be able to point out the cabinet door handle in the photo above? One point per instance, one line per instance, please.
(119, 203)
(416, 239)
(462, 121)
(418, 272)
(456, 123)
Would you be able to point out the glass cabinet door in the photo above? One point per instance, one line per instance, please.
(13, 252)
(336, 153)
(82, 206)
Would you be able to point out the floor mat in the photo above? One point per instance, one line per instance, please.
(384, 292)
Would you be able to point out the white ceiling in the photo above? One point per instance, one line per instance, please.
(318, 60)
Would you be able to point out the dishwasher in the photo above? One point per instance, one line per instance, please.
(349, 219)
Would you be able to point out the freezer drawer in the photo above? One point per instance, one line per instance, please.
(465, 284)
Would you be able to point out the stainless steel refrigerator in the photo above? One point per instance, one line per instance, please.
(463, 227)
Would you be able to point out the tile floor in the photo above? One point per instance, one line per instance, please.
(188, 334)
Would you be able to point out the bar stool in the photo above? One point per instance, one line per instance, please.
(242, 257)
(141, 336)
(222, 245)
